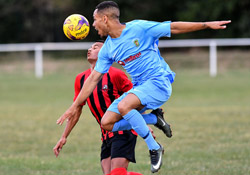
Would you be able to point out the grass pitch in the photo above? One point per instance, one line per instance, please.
(210, 119)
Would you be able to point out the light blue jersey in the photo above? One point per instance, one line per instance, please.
(136, 51)
(164, 64)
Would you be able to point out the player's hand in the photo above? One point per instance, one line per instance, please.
(59, 146)
(217, 24)
(70, 113)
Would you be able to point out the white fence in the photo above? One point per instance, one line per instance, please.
(38, 48)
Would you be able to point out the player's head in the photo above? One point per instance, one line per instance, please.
(104, 13)
(109, 8)
(93, 51)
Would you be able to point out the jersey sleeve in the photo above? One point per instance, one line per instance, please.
(157, 29)
(78, 87)
(104, 61)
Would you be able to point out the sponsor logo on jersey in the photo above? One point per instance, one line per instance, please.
(131, 58)
(121, 63)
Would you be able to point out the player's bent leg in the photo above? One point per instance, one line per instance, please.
(131, 101)
(109, 119)
(127, 109)
(106, 165)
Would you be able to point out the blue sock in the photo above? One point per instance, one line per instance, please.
(150, 118)
(139, 125)
(151, 145)
(122, 124)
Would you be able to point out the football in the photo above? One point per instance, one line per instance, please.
(76, 27)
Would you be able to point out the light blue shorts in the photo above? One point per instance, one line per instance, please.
(153, 93)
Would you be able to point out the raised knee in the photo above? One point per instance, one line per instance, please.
(103, 123)
(122, 108)
(106, 125)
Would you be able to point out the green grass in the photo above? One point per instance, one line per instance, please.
(210, 118)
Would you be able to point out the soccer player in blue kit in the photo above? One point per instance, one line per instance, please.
(134, 46)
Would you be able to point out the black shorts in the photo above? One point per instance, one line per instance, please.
(120, 145)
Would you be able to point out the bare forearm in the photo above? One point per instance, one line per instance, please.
(87, 89)
(185, 27)
(71, 124)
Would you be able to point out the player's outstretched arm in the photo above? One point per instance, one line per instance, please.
(68, 128)
(87, 89)
(185, 27)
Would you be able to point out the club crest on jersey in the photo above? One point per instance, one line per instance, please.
(105, 87)
(136, 42)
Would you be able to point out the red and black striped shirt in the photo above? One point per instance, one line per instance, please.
(112, 85)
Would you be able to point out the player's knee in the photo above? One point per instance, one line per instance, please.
(106, 124)
(103, 123)
(122, 108)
